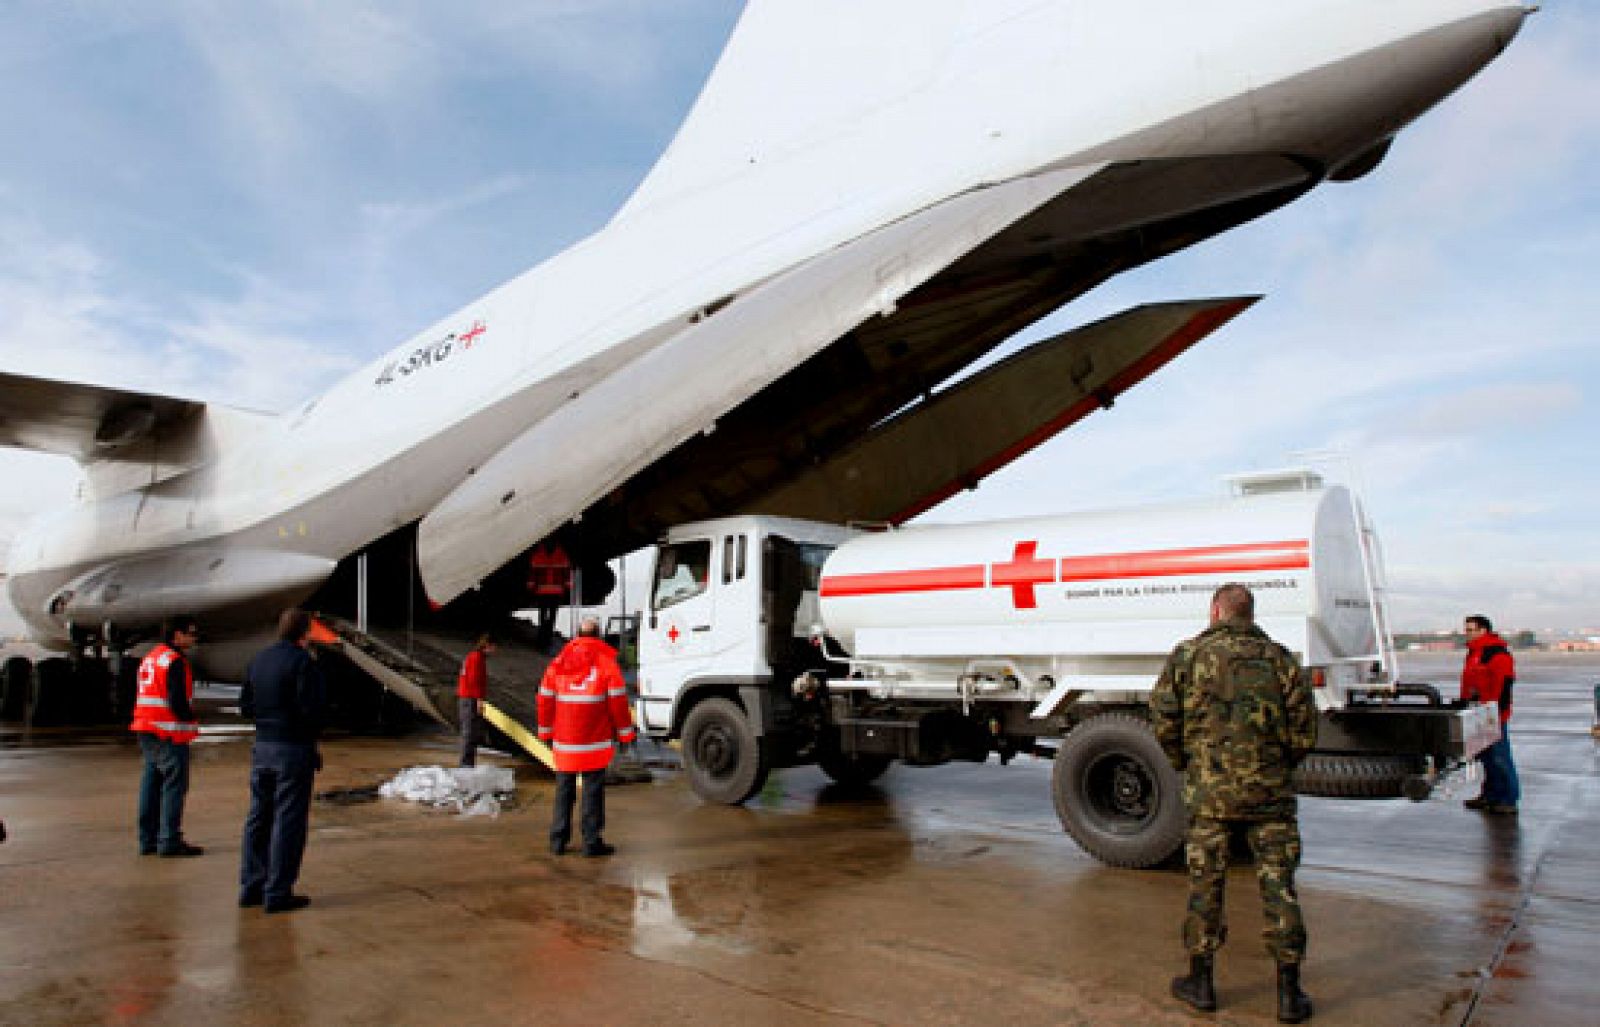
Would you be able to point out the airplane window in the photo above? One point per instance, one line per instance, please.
(682, 572)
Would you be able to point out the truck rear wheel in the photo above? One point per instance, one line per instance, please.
(854, 768)
(725, 760)
(1116, 793)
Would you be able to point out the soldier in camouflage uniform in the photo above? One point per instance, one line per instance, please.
(1235, 716)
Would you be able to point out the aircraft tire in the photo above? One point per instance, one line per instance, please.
(125, 689)
(49, 699)
(1116, 794)
(725, 760)
(16, 686)
(90, 692)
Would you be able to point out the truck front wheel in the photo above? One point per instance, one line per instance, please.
(725, 760)
(1116, 794)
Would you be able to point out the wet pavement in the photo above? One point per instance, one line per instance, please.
(941, 896)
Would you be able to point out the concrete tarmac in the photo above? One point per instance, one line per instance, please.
(947, 895)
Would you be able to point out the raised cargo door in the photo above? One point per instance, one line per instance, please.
(955, 438)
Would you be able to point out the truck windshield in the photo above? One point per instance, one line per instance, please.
(682, 571)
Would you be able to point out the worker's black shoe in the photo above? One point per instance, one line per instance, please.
(249, 899)
(598, 849)
(287, 904)
(1480, 803)
(558, 847)
(1294, 1005)
(147, 850)
(182, 849)
(1197, 989)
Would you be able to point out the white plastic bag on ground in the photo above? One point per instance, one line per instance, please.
(470, 791)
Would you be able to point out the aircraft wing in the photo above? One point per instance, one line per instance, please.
(952, 440)
(85, 422)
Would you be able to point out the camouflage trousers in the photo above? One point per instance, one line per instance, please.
(1276, 845)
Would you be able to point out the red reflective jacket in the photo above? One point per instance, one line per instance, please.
(583, 706)
(550, 573)
(152, 712)
(474, 680)
(1489, 673)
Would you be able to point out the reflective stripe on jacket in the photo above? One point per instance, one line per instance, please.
(152, 710)
(583, 706)
(549, 572)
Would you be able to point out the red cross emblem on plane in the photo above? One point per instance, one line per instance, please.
(470, 335)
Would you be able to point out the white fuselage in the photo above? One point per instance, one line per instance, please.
(842, 154)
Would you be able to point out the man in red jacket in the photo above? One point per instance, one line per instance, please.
(583, 716)
(1488, 676)
(472, 688)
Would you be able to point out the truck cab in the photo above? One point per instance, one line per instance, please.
(732, 611)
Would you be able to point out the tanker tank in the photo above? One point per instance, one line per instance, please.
(1120, 587)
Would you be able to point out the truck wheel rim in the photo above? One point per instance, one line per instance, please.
(716, 751)
(1120, 791)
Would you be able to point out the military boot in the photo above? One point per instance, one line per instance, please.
(1197, 989)
(1294, 1005)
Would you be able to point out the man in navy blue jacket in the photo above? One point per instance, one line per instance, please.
(285, 695)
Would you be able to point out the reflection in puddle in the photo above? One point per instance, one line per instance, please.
(712, 907)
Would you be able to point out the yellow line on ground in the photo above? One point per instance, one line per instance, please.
(519, 734)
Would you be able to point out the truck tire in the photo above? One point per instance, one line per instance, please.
(1358, 776)
(725, 760)
(15, 688)
(1116, 793)
(853, 769)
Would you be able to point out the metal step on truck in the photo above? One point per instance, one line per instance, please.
(773, 642)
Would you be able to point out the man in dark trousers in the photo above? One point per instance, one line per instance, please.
(285, 695)
(583, 716)
(1487, 677)
(1235, 715)
(164, 720)
(472, 688)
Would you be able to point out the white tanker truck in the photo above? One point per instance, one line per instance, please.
(774, 642)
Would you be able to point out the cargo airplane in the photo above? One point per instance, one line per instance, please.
(867, 197)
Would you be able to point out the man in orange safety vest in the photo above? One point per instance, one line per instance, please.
(164, 720)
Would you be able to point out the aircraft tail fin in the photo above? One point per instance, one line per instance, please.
(796, 73)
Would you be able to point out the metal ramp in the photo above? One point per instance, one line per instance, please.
(421, 667)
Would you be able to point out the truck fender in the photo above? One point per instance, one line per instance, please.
(738, 689)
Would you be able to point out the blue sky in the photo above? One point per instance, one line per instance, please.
(242, 202)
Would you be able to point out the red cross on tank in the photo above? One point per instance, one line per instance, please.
(1024, 572)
